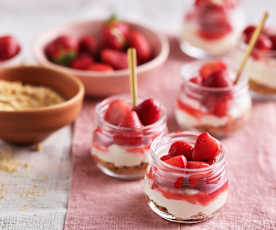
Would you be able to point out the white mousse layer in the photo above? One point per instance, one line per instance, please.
(119, 156)
(182, 209)
(217, 46)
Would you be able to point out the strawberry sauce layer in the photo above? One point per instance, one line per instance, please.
(202, 198)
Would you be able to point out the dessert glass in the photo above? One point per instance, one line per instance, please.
(181, 194)
(123, 152)
(195, 39)
(196, 104)
(261, 71)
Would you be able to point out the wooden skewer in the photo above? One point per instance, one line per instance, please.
(251, 45)
(132, 75)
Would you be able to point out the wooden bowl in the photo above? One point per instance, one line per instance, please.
(98, 83)
(32, 126)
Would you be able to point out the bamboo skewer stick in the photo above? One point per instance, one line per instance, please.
(132, 75)
(251, 46)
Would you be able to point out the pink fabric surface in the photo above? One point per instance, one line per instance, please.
(100, 202)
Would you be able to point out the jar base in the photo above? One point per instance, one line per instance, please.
(195, 52)
(163, 213)
(123, 173)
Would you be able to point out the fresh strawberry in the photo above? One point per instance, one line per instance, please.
(131, 120)
(220, 108)
(82, 62)
(117, 59)
(218, 79)
(127, 139)
(206, 148)
(165, 157)
(211, 67)
(196, 178)
(62, 50)
(181, 148)
(197, 80)
(117, 111)
(273, 40)
(248, 32)
(88, 44)
(179, 182)
(196, 164)
(230, 4)
(9, 47)
(138, 41)
(177, 161)
(114, 34)
(214, 22)
(100, 67)
(148, 112)
(263, 43)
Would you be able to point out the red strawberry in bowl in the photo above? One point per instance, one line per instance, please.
(62, 50)
(88, 44)
(117, 59)
(9, 47)
(82, 62)
(100, 67)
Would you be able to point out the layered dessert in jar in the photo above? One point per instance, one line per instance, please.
(186, 180)
(261, 65)
(10, 51)
(211, 27)
(123, 136)
(210, 101)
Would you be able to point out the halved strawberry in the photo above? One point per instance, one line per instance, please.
(148, 111)
(206, 148)
(196, 178)
(218, 79)
(181, 148)
(131, 120)
(100, 67)
(211, 67)
(178, 161)
(82, 62)
(165, 157)
(117, 111)
(117, 59)
(138, 41)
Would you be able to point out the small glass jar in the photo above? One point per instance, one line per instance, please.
(219, 111)
(123, 152)
(180, 194)
(211, 28)
(261, 71)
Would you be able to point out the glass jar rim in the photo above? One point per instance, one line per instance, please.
(195, 66)
(218, 164)
(100, 107)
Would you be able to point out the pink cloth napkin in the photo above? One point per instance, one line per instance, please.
(100, 202)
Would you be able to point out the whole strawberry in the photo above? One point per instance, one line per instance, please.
(88, 44)
(114, 33)
(82, 62)
(9, 47)
(117, 59)
(62, 50)
(138, 41)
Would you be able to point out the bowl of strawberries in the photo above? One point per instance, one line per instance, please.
(96, 52)
(10, 51)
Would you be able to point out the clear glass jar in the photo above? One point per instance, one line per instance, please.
(211, 28)
(261, 71)
(219, 111)
(123, 152)
(181, 194)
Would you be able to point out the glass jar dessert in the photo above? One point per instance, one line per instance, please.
(186, 180)
(211, 27)
(123, 135)
(209, 100)
(261, 65)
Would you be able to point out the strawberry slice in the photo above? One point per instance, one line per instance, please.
(178, 161)
(117, 111)
(181, 148)
(100, 67)
(117, 59)
(138, 41)
(131, 120)
(82, 62)
(197, 80)
(165, 157)
(211, 67)
(148, 111)
(196, 178)
(218, 79)
(206, 148)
